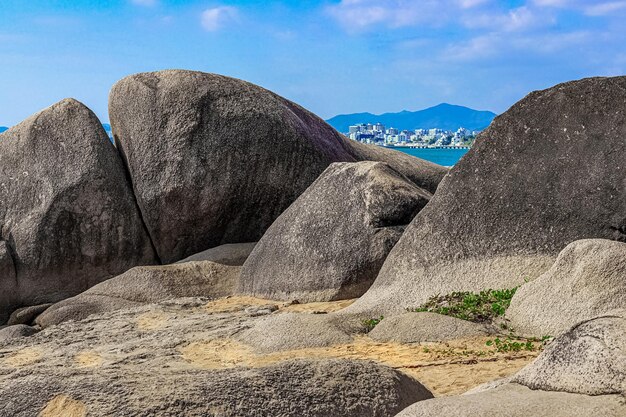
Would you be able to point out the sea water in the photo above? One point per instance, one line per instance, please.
(442, 156)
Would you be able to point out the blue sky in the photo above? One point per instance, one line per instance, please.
(330, 56)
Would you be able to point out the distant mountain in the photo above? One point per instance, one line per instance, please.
(3, 128)
(443, 116)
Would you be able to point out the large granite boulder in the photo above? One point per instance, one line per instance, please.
(331, 242)
(145, 285)
(215, 160)
(547, 172)
(587, 280)
(314, 388)
(68, 218)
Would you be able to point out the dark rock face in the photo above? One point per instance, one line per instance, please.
(26, 315)
(16, 331)
(215, 160)
(549, 171)
(68, 219)
(8, 282)
(331, 242)
(144, 285)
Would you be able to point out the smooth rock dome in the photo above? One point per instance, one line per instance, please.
(587, 280)
(68, 218)
(215, 160)
(549, 171)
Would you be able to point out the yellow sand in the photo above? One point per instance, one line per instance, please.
(152, 321)
(24, 357)
(88, 359)
(64, 406)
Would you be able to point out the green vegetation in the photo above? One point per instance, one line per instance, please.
(369, 324)
(514, 343)
(480, 307)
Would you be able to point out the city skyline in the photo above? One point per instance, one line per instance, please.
(332, 57)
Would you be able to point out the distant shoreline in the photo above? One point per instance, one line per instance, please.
(416, 146)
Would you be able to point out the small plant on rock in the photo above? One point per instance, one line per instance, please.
(369, 324)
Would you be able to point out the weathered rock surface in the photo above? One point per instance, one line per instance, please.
(291, 331)
(144, 285)
(177, 358)
(293, 388)
(547, 172)
(331, 242)
(243, 153)
(229, 254)
(16, 331)
(67, 212)
(425, 327)
(587, 280)
(589, 359)
(518, 401)
(26, 315)
(8, 281)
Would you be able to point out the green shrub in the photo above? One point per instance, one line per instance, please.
(477, 307)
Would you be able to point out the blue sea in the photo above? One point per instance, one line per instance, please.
(445, 157)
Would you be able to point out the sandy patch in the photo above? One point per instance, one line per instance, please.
(88, 359)
(445, 368)
(153, 320)
(326, 307)
(64, 406)
(24, 357)
(218, 354)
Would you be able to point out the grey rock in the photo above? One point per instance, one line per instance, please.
(545, 173)
(67, 213)
(8, 282)
(228, 254)
(261, 311)
(26, 315)
(145, 285)
(331, 242)
(170, 360)
(587, 280)
(290, 331)
(294, 388)
(589, 359)
(243, 153)
(16, 331)
(425, 327)
(519, 401)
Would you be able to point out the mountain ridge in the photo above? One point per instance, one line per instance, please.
(443, 116)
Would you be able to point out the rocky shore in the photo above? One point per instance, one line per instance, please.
(233, 255)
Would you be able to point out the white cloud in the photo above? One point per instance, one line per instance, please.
(515, 20)
(468, 4)
(360, 15)
(215, 18)
(147, 3)
(605, 8)
(588, 7)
